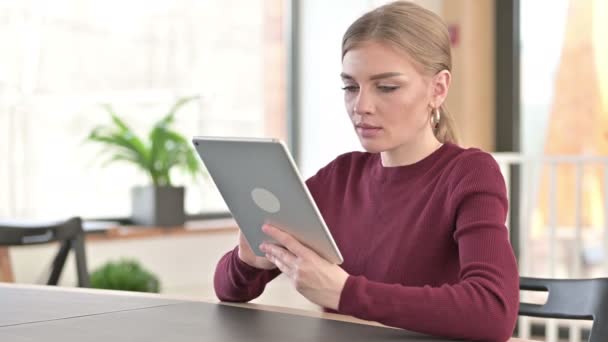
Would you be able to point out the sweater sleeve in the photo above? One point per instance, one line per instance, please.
(236, 281)
(483, 304)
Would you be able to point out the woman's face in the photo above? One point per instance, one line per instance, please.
(387, 98)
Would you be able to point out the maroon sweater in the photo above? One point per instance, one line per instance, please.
(425, 244)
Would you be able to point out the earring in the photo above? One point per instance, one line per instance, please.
(435, 118)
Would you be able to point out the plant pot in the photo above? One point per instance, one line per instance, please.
(158, 206)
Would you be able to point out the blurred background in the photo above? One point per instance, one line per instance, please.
(530, 86)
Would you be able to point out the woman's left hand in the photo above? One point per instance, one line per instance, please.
(314, 277)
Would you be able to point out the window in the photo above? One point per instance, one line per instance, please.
(62, 59)
(563, 111)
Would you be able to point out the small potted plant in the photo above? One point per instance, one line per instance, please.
(160, 203)
(125, 275)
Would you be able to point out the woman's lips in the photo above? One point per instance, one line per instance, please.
(367, 130)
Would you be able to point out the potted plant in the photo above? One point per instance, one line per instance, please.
(125, 275)
(160, 203)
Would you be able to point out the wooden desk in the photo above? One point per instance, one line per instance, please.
(114, 233)
(32, 313)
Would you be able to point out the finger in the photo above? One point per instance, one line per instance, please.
(286, 240)
(283, 267)
(280, 253)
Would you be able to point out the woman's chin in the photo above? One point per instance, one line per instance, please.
(371, 146)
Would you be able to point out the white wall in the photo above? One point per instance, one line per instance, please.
(325, 131)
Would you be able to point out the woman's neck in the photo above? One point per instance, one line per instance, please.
(410, 153)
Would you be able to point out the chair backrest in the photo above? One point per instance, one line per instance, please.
(585, 299)
(69, 233)
(18, 232)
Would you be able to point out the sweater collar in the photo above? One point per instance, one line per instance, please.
(408, 171)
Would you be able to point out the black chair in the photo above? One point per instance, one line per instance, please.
(68, 233)
(583, 299)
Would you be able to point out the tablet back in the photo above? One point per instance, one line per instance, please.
(260, 184)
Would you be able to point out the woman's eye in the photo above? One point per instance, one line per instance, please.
(387, 89)
(350, 88)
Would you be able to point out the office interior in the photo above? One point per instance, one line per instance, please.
(530, 86)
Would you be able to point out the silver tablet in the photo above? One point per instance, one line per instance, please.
(260, 183)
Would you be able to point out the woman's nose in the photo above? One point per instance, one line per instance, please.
(363, 104)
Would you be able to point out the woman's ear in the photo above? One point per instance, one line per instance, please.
(440, 86)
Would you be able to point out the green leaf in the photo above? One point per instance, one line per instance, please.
(166, 148)
(124, 145)
(125, 275)
(117, 121)
(180, 102)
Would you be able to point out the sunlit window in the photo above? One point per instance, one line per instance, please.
(61, 59)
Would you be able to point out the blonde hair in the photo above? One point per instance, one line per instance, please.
(421, 33)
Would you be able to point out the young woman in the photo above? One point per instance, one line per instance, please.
(419, 220)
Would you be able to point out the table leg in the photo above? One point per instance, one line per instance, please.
(6, 272)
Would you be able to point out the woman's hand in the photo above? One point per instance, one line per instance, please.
(314, 277)
(247, 256)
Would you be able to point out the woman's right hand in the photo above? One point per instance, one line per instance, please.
(247, 256)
